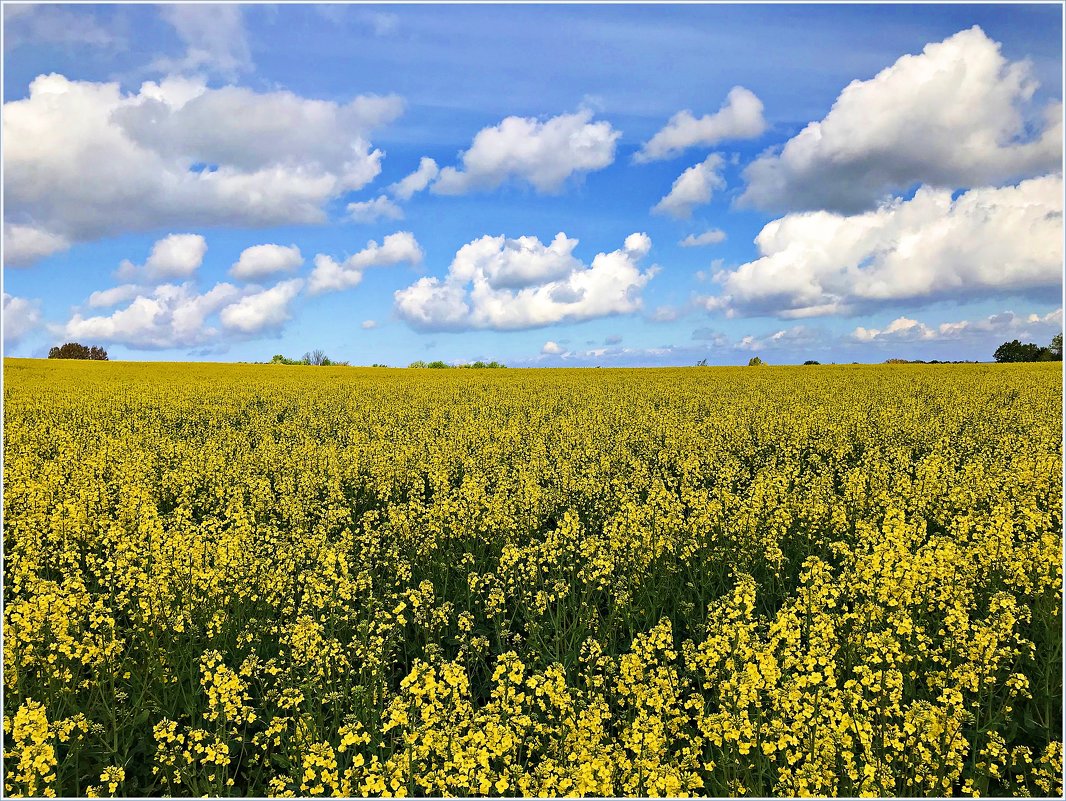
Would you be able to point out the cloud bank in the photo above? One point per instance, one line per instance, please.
(986, 243)
(1007, 323)
(84, 160)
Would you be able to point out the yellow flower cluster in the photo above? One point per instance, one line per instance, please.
(240, 580)
(112, 777)
(29, 767)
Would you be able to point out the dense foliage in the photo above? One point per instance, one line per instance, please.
(785, 581)
(75, 350)
(1017, 351)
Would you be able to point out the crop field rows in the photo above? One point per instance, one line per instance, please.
(269, 580)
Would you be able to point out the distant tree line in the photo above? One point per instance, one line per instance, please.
(315, 358)
(754, 361)
(318, 358)
(439, 365)
(75, 350)
(931, 361)
(1015, 351)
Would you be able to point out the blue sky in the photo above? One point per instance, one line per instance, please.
(868, 181)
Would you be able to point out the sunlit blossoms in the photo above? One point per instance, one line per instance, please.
(283, 581)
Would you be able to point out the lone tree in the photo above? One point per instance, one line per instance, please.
(75, 350)
(755, 361)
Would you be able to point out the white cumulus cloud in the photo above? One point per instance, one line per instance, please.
(261, 260)
(957, 115)
(21, 316)
(330, 275)
(168, 316)
(515, 263)
(740, 117)
(174, 256)
(407, 187)
(265, 310)
(505, 284)
(85, 160)
(552, 348)
(988, 242)
(105, 298)
(25, 244)
(179, 316)
(544, 154)
(693, 187)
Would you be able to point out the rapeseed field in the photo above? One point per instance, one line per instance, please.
(268, 580)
